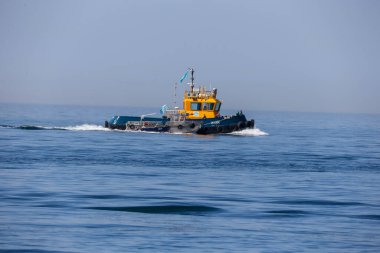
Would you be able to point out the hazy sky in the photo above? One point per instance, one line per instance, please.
(295, 55)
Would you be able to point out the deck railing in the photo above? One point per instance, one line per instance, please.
(175, 115)
(199, 94)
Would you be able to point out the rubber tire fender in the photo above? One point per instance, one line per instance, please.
(241, 125)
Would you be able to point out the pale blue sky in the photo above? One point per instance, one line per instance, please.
(285, 55)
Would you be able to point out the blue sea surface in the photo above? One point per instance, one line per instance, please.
(300, 182)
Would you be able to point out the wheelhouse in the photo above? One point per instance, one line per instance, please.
(200, 103)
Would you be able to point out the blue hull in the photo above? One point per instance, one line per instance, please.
(226, 124)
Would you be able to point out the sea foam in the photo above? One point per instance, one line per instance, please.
(86, 127)
(250, 132)
(92, 127)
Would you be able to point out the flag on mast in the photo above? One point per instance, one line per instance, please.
(184, 76)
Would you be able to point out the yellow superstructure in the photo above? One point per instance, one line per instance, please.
(200, 104)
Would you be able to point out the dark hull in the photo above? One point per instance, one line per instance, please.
(226, 124)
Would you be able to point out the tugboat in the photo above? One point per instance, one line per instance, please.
(200, 115)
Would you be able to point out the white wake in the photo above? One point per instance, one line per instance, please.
(86, 127)
(250, 132)
(92, 127)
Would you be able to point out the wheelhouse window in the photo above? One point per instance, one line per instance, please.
(217, 107)
(208, 106)
(194, 106)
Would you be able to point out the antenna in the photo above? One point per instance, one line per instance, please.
(175, 95)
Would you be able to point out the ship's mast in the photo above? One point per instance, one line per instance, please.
(192, 80)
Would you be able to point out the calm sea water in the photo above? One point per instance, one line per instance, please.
(300, 182)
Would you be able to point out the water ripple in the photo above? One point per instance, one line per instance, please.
(319, 202)
(367, 217)
(163, 209)
(29, 251)
(288, 213)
